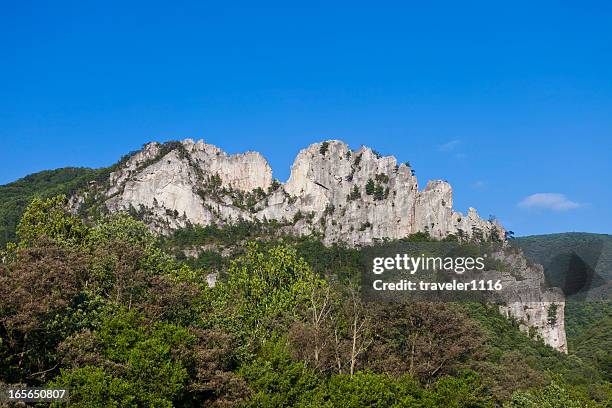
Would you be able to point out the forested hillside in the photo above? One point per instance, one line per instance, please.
(588, 318)
(15, 196)
(583, 251)
(106, 309)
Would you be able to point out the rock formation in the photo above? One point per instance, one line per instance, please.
(538, 309)
(353, 197)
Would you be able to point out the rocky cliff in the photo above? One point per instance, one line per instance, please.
(538, 308)
(355, 197)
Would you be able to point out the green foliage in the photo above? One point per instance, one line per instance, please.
(369, 188)
(208, 260)
(92, 387)
(16, 196)
(298, 216)
(382, 178)
(274, 186)
(263, 286)
(552, 314)
(419, 237)
(248, 200)
(233, 234)
(581, 316)
(594, 344)
(554, 395)
(49, 218)
(279, 381)
(587, 322)
(371, 390)
(120, 230)
(325, 260)
(504, 337)
(365, 225)
(120, 227)
(458, 392)
(379, 192)
(376, 189)
(103, 309)
(324, 148)
(355, 194)
(593, 249)
(42, 300)
(143, 364)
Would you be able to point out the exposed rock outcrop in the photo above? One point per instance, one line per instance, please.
(539, 309)
(353, 197)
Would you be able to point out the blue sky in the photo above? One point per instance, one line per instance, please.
(511, 102)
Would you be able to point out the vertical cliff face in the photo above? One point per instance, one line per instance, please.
(164, 184)
(178, 183)
(538, 309)
(360, 196)
(243, 172)
(355, 197)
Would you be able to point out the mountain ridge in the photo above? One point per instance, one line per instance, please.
(343, 196)
(352, 196)
(338, 195)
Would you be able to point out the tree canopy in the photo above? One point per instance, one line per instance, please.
(102, 308)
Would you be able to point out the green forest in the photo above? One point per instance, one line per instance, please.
(109, 311)
(15, 197)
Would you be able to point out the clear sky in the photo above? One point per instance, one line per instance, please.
(509, 101)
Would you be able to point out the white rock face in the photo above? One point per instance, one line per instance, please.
(352, 197)
(167, 183)
(244, 172)
(327, 192)
(538, 309)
